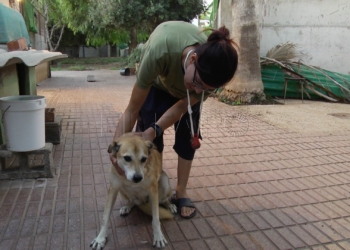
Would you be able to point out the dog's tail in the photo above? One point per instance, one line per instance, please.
(163, 212)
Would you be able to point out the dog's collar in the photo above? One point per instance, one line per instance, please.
(120, 170)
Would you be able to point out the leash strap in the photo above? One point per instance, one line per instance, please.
(200, 112)
(189, 110)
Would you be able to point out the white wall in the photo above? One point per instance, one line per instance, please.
(85, 51)
(320, 28)
(40, 43)
(12, 4)
(37, 41)
(88, 52)
(5, 2)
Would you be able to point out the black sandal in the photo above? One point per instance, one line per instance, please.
(184, 202)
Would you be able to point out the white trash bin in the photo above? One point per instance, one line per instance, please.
(23, 118)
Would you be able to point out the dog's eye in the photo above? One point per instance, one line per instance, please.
(127, 158)
(143, 159)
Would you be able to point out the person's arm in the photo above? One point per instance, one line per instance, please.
(128, 119)
(171, 116)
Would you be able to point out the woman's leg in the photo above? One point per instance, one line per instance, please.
(183, 173)
(185, 154)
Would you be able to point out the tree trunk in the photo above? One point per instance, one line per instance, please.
(108, 50)
(247, 84)
(133, 40)
(59, 39)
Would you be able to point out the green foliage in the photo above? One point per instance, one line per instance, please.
(257, 99)
(94, 60)
(53, 21)
(77, 68)
(214, 10)
(134, 57)
(71, 39)
(142, 36)
(79, 64)
(229, 102)
(110, 21)
(55, 68)
(52, 8)
(100, 37)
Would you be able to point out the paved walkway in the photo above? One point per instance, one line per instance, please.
(255, 186)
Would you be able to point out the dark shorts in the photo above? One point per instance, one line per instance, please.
(156, 104)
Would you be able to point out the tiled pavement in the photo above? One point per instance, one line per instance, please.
(255, 186)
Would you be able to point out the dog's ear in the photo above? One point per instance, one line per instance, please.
(149, 144)
(113, 147)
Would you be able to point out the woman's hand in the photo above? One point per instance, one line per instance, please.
(115, 164)
(149, 134)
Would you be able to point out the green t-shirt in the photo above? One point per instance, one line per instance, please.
(160, 65)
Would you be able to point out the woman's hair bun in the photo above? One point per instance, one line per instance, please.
(220, 34)
(217, 59)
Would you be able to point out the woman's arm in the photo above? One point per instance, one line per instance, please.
(128, 119)
(171, 116)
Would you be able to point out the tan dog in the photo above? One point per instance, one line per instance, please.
(145, 184)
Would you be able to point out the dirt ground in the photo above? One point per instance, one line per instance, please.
(307, 117)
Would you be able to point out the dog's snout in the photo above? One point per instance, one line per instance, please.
(137, 178)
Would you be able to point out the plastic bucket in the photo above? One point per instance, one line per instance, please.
(23, 117)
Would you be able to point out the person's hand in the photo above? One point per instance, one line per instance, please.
(115, 164)
(137, 133)
(149, 134)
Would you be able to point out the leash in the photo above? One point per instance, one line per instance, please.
(195, 136)
(195, 144)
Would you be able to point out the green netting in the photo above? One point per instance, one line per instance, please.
(122, 45)
(12, 25)
(273, 80)
(29, 16)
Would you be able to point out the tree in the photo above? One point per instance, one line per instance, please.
(54, 27)
(116, 20)
(93, 19)
(71, 39)
(242, 19)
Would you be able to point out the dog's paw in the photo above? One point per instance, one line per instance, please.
(172, 208)
(98, 243)
(124, 211)
(159, 240)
